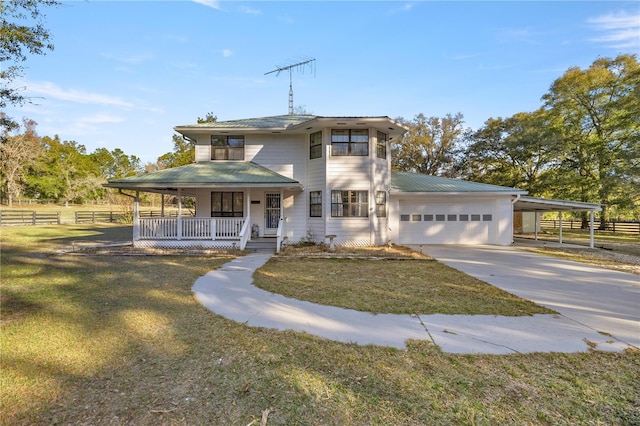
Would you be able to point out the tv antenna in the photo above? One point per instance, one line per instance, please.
(298, 66)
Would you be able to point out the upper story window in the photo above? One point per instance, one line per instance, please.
(315, 145)
(225, 147)
(350, 142)
(381, 147)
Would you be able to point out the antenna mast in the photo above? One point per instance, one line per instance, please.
(297, 66)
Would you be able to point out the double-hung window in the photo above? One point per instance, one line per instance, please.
(225, 147)
(381, 204)
(227, 204)
(350, 203)
(315, 145)
(350, 142)
(381, 146)
(315, 203)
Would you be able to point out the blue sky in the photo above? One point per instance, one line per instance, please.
(124, 73)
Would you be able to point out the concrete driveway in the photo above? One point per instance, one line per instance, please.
(604, 300)
(598, 308)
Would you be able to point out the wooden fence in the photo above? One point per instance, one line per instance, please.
(630, 227)
(113, 217)
(28, 217)
(35, 217)
(99, 216)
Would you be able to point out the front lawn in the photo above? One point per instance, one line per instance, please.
(400, 286)
(105, 340)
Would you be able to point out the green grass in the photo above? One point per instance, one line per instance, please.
(121, 340)
(419, 286)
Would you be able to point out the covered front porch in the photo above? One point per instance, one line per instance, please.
(235, 203)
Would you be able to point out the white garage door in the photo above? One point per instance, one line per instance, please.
(446, 223)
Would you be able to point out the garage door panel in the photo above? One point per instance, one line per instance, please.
(444, 223)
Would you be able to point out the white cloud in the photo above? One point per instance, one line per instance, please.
(214, 4)
(620, 30)
(226, 53)
(49, 90)
(249, 10)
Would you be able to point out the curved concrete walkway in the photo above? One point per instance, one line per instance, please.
(229, 292)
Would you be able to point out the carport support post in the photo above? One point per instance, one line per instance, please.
(536, 224)
(591, 229)
(560, 227)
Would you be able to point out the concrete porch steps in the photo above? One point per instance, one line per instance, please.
(261, 244)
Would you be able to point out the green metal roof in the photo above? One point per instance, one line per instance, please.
(213, 173)
(277, 121)
(416, 182)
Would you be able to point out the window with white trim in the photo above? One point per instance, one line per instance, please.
(315, 145)
(349, 203)
(381, 203)
(381, 145)
(349, 142)
(227, 204)
(227, 147)
(315, 203)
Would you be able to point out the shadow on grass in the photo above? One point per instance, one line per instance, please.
(121, 340)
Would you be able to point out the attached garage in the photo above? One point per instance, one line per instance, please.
(435, 210)
(447, 223)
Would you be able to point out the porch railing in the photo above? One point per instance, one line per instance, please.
(279, 234)
(189, 228)
(245, 233)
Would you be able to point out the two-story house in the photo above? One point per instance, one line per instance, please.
(306, 177)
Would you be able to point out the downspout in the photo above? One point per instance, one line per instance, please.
(513, 203)
(136, 219)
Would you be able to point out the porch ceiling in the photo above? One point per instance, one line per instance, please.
(238, 174)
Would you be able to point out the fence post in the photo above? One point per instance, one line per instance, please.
(93, 217)
(33, 217)
(58, 217)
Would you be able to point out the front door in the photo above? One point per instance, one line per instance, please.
(272, 212)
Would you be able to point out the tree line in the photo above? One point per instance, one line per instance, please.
(582, 144)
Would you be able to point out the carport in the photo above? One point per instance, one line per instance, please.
(538, 205)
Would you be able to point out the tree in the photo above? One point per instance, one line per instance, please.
(208, 118)
(514, 152)
(17, 153)
(20, 33)
(65, 172)
(430, 146)
(183, 153)
(114, 164)
(597, 112)
(183, 148)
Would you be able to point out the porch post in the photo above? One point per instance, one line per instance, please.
(179, 214)
(536, 224)
(162, 205)
(591, 229)
(560, 227)
(136, 217)
(247, 216)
